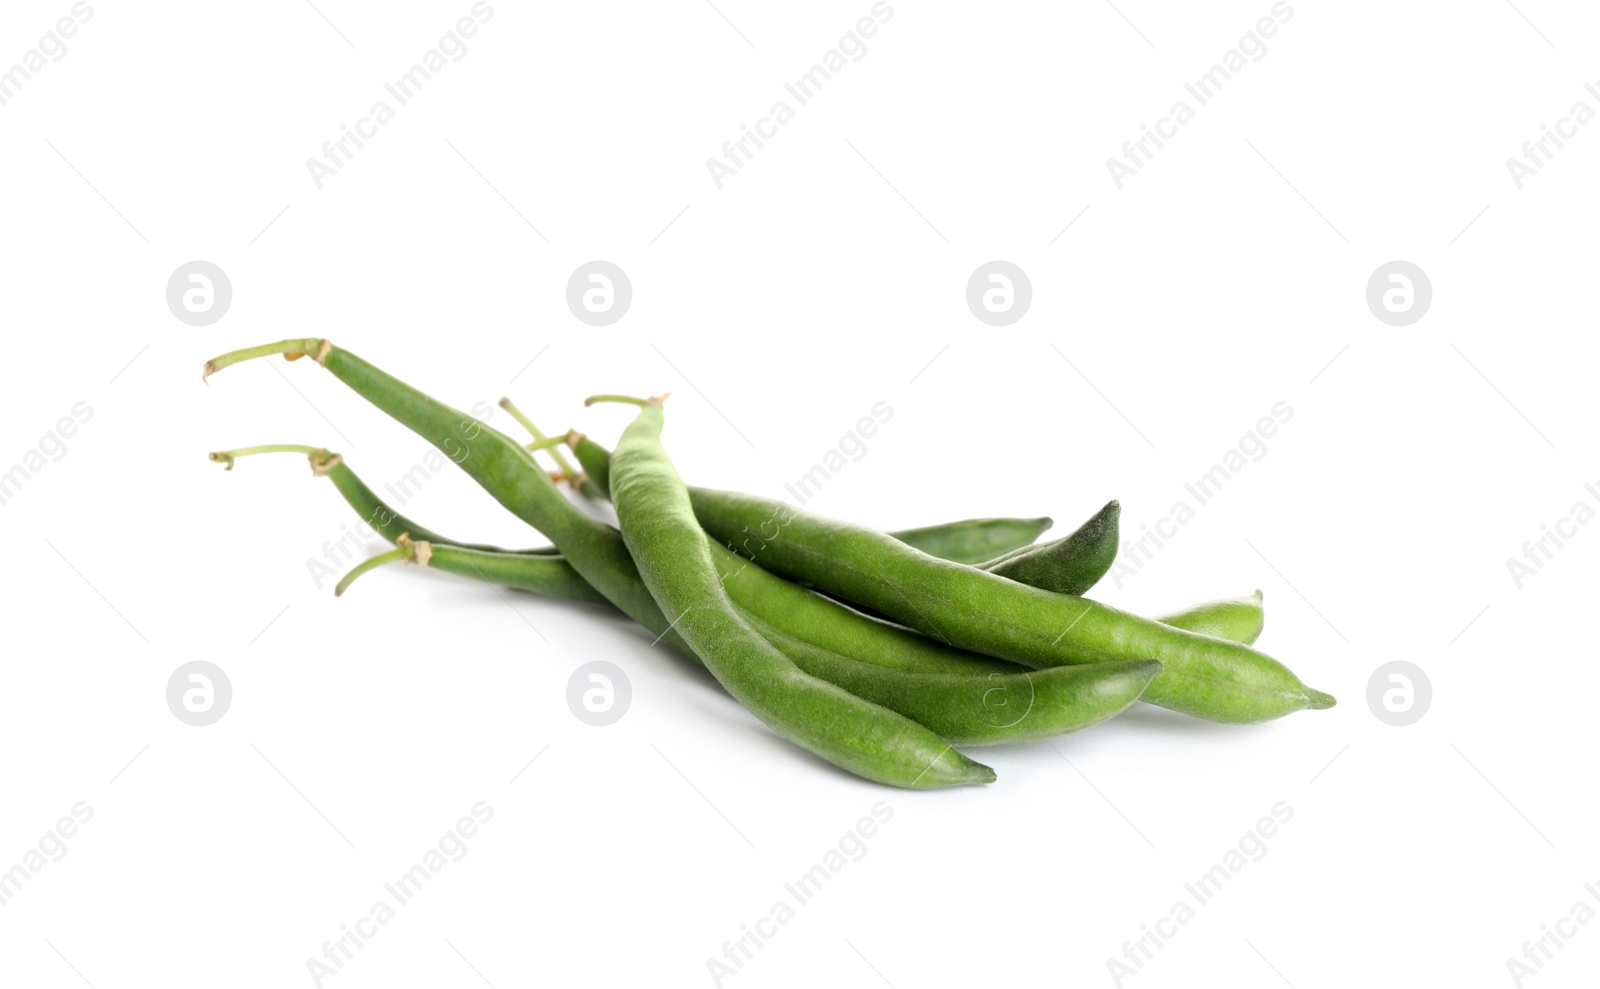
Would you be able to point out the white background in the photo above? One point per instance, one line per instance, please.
(826, 276)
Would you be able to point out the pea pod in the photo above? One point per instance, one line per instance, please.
(674, 559)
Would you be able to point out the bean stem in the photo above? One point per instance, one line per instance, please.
(293, 349)
(405, 551)
(227, 457)
(627, 400)
(556, 453)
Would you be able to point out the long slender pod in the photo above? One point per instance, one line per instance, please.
(675, 561)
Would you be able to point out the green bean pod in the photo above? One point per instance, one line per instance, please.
(1237, 619)
(964, 709)
(550, 576)
(1071, 564)
(674, 559)
(1207, 677)
(973, 541)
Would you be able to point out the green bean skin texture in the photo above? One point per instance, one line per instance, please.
(594, 459)
(1072, 564)
(550, 576)
(673, 557)
(826, 623)
(971, 541)
(971, 609)
(1238, 619)
(974, 541)
(964, 709)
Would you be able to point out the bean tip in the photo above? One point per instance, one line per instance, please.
(1319, 701)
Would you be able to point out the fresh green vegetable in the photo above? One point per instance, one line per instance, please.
(973, 540)
(1237, 619)
(674, 559)
(1071, 564)
(873, 696)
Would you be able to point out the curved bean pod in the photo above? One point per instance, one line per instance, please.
(674, 559)
(973, 541)
(964, 709)
(1238, 619)
(1071, 564)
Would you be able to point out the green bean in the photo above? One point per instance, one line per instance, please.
(596, 460)
(971, 541)
(971, 609)
(1070, 565)
(1238, 619)
(674, 559)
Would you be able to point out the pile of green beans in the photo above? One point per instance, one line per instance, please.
(878, 652)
